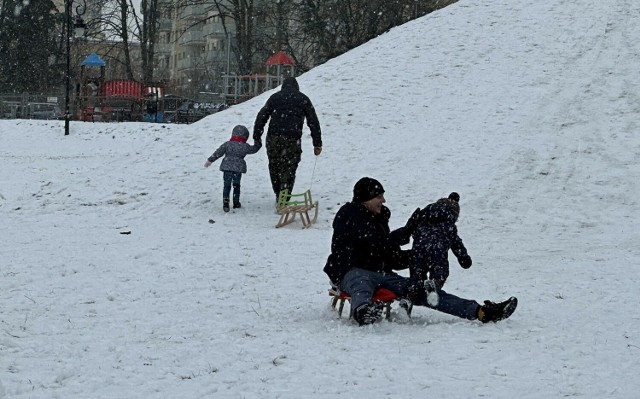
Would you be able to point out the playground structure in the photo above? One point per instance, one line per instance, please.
(115, 100)
(123, 100)
(239, 88)
(95, 99)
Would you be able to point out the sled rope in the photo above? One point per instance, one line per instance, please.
(313, 173)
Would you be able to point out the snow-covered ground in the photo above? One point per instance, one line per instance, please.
(529, 109)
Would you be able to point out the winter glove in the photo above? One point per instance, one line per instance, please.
(413, 222)
(317, 150)
(465, 261)
(207, 164)
(431, 289)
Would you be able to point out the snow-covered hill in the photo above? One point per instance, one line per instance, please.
(528, 109)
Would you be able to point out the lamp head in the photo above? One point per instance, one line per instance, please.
(79, 27)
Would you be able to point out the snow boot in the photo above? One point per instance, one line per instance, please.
(492, 311)
(368, 313)
(225, 205)
(237, 205)
(406, 306)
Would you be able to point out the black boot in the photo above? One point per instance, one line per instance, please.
(491, 311)
(368, 313)
(225, 205)
(237, 205)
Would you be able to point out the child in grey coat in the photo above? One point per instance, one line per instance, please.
(233, 164)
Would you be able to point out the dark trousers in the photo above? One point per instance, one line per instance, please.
(284, 155)
(362, 284)
(229, 179)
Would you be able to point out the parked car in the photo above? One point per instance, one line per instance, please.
(43, 111)
(9, 109)
(191, 111)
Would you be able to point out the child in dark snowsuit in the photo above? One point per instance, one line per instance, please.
(436, 233)
(233, 164)
(433, 238)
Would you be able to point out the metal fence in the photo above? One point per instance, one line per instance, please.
(31, 106)
(170, 109)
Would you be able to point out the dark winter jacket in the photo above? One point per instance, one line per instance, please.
(234, 152)
(432, 239)
(288, 109)
(362, 239)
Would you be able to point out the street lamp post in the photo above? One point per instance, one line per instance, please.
(79, 27)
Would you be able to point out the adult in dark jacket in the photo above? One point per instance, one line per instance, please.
(365, 253)
(286, 112)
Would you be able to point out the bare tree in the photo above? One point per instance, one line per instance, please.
(121, 25)
(123, 30)
(323, 29)
(147, 28)
(243, 15)
(111, 30)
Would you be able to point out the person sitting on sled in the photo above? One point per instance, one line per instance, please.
(436, 234)
(365, 253)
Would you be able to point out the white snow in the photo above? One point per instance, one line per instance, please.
(529, 109)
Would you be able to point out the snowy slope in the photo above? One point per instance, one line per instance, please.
(528, 109)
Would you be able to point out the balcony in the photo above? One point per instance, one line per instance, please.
(193, 12)
(213, 31)
(193, 37)
(216, 57)
(162, 49)
(165, 25)
(187, 64)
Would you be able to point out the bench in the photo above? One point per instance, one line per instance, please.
(290, 205)
(381, 295)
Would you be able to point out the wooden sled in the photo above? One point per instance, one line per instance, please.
(382, 295)
(290, 205)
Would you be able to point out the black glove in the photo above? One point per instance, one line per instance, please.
(413, 222)
(465, 261)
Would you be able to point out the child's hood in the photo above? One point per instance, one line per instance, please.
(240, 132)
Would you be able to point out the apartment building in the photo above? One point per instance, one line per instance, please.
(193, 51)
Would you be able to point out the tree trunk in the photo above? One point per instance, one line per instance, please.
(124, 34)
(148, 37)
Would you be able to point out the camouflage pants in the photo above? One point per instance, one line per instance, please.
(284, 155)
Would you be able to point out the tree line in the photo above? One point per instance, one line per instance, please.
(32, 39)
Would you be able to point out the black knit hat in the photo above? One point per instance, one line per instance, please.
(366, 189)
(452, 201)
